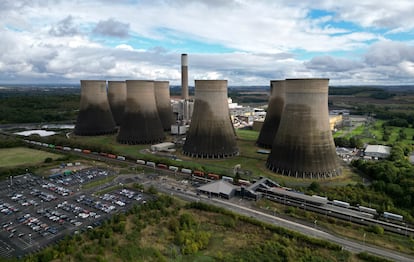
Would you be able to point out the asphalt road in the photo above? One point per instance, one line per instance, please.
(350, 245)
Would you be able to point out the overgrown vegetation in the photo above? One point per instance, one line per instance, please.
(167, 230)
(393, 177)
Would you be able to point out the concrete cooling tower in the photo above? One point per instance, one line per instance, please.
(95, 117)
(303, 146)
(273, 115)
(117, 99)
(211, 133)
(162, 99)
(141, 123)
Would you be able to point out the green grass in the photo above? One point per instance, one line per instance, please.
(374, 133)
(17, 156)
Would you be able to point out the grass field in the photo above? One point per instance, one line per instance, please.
(23, 156)
(374, 133)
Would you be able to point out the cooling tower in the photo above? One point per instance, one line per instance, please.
(141, 123)
(211, 133)
(95, 117)
(117, 99)
(162, 99)
(303, 146)
(184, 76)
(273, 115)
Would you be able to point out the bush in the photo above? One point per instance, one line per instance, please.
(376, 229)
(371, 258)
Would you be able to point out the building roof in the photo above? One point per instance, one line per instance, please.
(379, 149)
(218, 187)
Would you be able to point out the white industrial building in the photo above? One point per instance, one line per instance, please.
(166, 146)
(377, 151)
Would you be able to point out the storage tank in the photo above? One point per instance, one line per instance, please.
(163, 101)
(141, 123)
(211, 133)
(95, 117)
(273, 115)
(303, 146)
(117, 99)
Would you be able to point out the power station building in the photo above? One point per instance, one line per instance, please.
(303, 146)
(95, 117)
(117, 99)
(211, 133)
(273, 115)
(163, 101)
(141, 123)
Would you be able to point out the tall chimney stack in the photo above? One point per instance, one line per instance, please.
(184, 76)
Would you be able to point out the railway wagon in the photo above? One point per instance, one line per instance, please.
(393, 216)
(341, 204)
(186, 171)
(213, 176)
(367, 210)
(151, 164)
(198, 173)
(173, 168)
(140, 161)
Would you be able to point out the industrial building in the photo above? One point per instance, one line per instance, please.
(163, 102)
(377, 151)
(273, 115)
(165, 146)
(95, 117)
(219, 188)
(117, 99)
(334, 121)
(303, 146)
(141, 123)
(211, 133)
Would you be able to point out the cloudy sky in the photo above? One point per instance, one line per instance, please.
(247, 42)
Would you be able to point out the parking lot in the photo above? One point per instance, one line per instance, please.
(35, 212)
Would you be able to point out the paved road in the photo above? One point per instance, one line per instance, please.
(350, 245)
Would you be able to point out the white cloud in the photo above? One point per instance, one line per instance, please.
(266, 39)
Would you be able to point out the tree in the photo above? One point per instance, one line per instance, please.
(314, 186)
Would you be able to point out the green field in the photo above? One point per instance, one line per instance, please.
(374, 133)
(23, 156)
